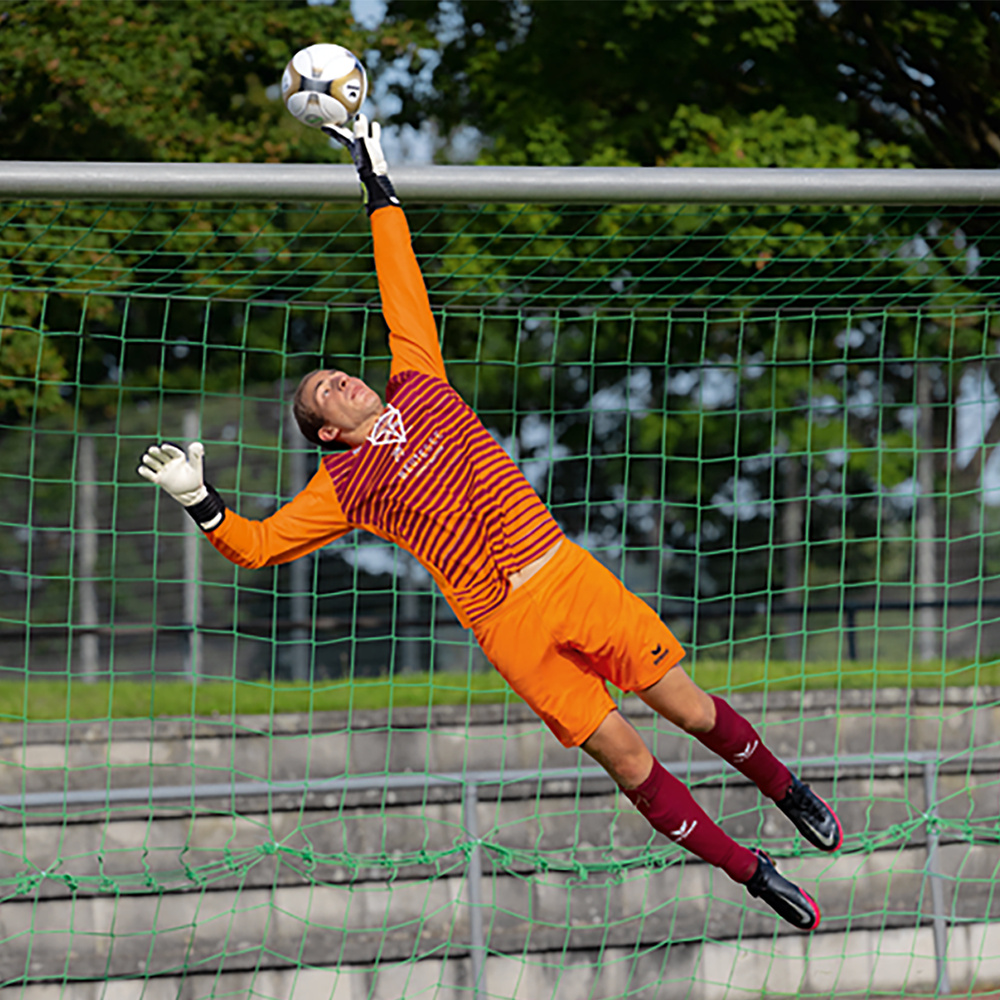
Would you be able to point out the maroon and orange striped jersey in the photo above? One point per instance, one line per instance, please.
(429, 477)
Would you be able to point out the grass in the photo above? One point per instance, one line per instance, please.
(46, 700)
(81, 702)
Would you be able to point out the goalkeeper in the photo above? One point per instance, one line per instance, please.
(421, 470)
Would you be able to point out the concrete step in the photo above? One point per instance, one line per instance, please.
(112, 936)
(93, 894)
(885, 962)
(44, 756)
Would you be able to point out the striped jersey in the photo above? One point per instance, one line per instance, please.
(429, 477)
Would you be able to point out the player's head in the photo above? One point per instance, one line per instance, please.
(334, 409)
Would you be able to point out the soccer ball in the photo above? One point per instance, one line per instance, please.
(324, 85)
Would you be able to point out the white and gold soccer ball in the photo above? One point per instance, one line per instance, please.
(324, 85)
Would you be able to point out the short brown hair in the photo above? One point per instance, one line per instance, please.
(310, 422)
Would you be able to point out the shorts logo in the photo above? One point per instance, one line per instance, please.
(684, 830)
(658, 653)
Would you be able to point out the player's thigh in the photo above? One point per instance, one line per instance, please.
(562, 690)
(619, 633)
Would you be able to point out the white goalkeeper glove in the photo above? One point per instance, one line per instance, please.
(365, 146)
(182, 476)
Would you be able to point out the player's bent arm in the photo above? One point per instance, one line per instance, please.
(413, 336)
(304, 524)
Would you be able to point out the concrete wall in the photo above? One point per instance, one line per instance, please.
(217, 898)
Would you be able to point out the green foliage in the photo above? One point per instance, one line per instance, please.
(31, 374)
(181, 80)
(754, 82)
(169, 81)
(57, 701)
(769, 138)
(623, 83)
(923, 73)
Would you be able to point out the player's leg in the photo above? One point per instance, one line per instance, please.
(574, 703)
(530, 641)
(662, 799)
(669, 807)
(716, 724)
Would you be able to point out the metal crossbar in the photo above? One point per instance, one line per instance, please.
(310, 182)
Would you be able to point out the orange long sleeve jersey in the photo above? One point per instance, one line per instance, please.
(429, 477)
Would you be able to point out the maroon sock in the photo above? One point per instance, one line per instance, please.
(670, 808)
(736, 741)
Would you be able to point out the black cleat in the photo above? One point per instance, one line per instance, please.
(784, 897)
(812, 817)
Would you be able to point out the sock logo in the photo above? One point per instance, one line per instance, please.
(684, 830)
(747, 752)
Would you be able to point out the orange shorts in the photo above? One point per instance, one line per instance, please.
(567, 630)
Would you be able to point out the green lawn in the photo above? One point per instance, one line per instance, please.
(77, 701)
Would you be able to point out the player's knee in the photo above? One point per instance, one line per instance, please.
(630, 771)
(699, 716)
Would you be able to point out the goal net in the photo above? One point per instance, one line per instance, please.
(777, 424)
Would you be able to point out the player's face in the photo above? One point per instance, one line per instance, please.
(344, 402)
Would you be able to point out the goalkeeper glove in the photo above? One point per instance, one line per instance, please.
(182, 477)
(365, 146)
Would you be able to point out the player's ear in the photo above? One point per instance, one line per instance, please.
(328, 433)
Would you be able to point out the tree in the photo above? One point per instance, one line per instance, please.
(186, 80)
(925, 73)
(699, 82)
(190, 80)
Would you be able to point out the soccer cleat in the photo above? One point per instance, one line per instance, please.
(812, 817)
(784, 897)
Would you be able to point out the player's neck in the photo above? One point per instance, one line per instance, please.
(358, 435)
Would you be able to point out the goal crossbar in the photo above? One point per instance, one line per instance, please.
(310, 182)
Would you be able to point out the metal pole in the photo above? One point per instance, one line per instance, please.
(474, 879)
(104, 796)
(300, 571)
(337, 182)
(192, 587)
(86, 543)
(928, 618)
(937, 889)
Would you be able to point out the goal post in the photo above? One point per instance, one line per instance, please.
(768, 399)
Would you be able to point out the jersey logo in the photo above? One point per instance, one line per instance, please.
(658, 653)
(389, 429)
(683, 831)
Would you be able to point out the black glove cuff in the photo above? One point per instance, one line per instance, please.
(209, 513)
(379, 191)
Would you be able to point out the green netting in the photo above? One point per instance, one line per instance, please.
(777, 424)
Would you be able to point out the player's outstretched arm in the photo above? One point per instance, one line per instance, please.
(309, 521)
(413, 336)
